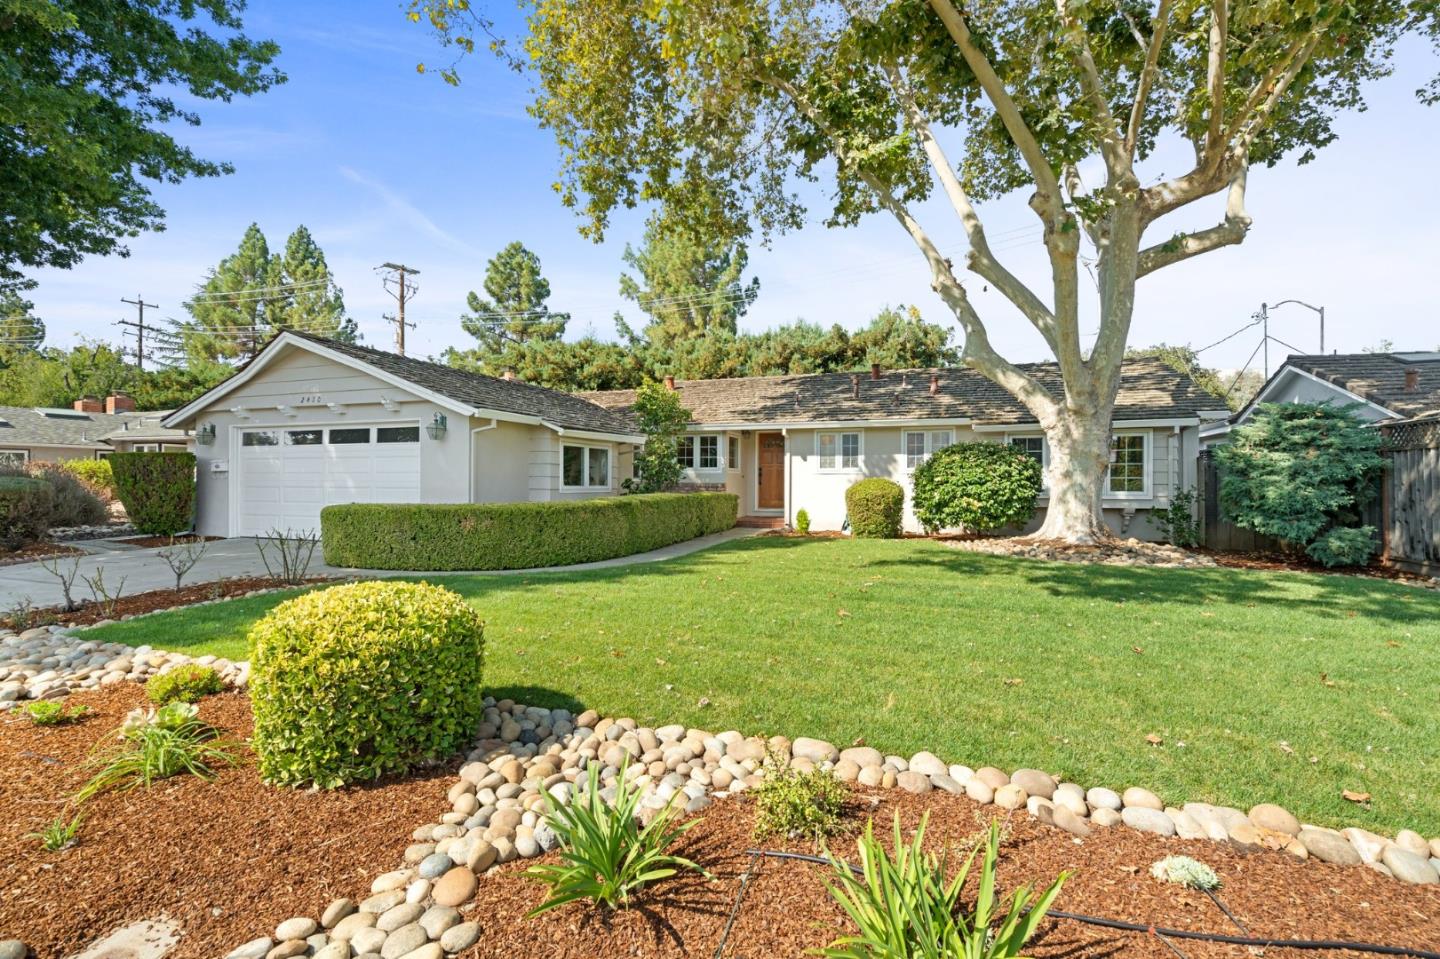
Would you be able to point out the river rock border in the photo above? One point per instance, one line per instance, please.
(1127, 552)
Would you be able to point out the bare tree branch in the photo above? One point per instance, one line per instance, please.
(1147, 76)
(1215, 72)
(1112, 145)
(1227, 232)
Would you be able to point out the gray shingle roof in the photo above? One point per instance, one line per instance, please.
(1380, 378)
(1149, 390)
(23, 426)
(565, 410)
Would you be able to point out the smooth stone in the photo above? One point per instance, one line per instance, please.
(382, 901)
(962, 774)
(455, 887)
(992, 777)
(1148, 819)
(353, 923)
(461, 937)
(1413, 841)
(289, 949)
(1275, 818)
(437, 919)
(1409, 866)
(945, 783)
(1209, 819)
(871, 776)
(1073, 801)
(336, 911)
(1366, 843)
(403, 941)
(340, 949)
(928, 764)
(1034, 782)
(1104, 817)
(1099, 797)
(913, 782)
(481, 857)
(435, 865)
(980, 791)
(367, 941)
(1068, 821)
(863, 756)
(1329, 847)
(296, 928)
(846, 770)
(1435, 848)
(397, 916)
(254, 949)
(1010, 796)
(1245, 836)
(431, 950)
(1141, 799)
(815, 750)
(1186, 827)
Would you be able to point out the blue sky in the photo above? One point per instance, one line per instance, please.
(382, 163)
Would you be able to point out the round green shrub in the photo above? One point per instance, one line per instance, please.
(25, 506)
(97, 476)
(874, 506)
(354, 682)
(1343, 546)
(802, 521)
(158, 490)
(185, 683)
(977, 487)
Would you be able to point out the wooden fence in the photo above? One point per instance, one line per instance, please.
(1216, 531)
(1411, 496)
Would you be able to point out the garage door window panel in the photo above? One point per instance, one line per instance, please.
(397, 434)
(349, 437)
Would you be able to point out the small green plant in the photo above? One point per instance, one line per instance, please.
(797, 804)
(57, 835)
(606, 855)
(1176, 523)
(157, 745)
(185, 683)
(49, 712)
(1343, 546)
(802, 522)
(875, 507)
(1184, 871)
(906, 909)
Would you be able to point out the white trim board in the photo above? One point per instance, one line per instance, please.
(1279, 377)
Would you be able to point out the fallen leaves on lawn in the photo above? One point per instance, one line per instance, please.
(1014, 681)
(1286, 748)
(1361, 798)
(1325, 680)
(1137, 650)
(1154, 739)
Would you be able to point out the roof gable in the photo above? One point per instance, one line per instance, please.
(1376, 378)
(23, 426)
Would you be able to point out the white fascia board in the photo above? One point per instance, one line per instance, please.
(267, 356)
(633, 438)
(827, 425)
(1114, 424)
(1277, 379)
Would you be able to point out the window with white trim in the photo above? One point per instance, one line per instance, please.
(585, 467)
(685, 452)
(1129, 473)
(921, 445)
(838, 451)
(709, 452)
(732, 453)
(14, 459)
(1038, 449)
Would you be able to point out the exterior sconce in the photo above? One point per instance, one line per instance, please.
(205, 435)
(437, 427)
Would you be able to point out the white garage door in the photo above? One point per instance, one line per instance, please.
(287, 475)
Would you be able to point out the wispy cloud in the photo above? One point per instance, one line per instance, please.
(409, 212)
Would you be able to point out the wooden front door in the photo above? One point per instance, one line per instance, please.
(770, 482)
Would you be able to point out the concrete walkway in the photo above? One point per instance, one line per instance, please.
(143, 570)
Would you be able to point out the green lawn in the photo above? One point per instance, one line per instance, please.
(1263, 686)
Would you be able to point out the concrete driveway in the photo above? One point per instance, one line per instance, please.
(143, 570)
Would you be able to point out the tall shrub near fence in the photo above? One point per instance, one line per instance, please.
(158, 490)
(448, 536)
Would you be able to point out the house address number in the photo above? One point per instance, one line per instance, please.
(311, 399)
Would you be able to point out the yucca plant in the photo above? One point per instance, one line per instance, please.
(606, 855)
(165, 743)
(58, 835)
(905, 908)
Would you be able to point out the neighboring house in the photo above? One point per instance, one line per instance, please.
(90, 429)
(310, 422)
(1383, 387)
(786, 443)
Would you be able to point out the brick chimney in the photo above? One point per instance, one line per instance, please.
(934, 383)
(1412, 379)
(670, 383)
(508, 376)
(874, 371)
(89, 404)
(119, 403)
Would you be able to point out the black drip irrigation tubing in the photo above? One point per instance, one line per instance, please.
(1162, 932)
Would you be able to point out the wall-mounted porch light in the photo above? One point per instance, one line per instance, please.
(205, 435)
(437, 427)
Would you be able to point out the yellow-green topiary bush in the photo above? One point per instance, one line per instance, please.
(356, 681)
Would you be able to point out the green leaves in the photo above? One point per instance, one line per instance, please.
(874, 507)
(976, 486)
(158, 490)
(662, 419)
(606, 856)
(906, 909)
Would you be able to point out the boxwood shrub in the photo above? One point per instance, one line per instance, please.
(448, 536)
(97, 475)
(874, 506)
(158, 490)
(354, 682)
(25, 506)
(977, 487)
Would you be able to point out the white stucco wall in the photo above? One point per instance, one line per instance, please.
(52, 454)
(545, 461)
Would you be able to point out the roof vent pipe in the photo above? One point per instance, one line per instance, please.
(670, 382)
(855, 385)
(934, 383)
(874, 371)
(508, 376)
(1412, 379)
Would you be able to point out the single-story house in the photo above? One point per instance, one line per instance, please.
(1384, 387)
(309, 422)
(91, 429)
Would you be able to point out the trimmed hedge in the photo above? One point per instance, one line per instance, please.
(448, 536)
(354, 682)
(875, 507)
(158, 490)
(25, 506)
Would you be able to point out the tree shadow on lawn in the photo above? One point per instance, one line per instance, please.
(1333, 593)
(541, 696)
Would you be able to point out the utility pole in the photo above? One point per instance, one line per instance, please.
(139, 325)
(1316, 309)
(396, 281)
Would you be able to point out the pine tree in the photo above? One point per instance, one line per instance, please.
(310, 299)
(687, 285)
(21, 331)
(515, 320)
(230, 316)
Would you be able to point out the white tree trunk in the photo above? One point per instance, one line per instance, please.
(1079, 456)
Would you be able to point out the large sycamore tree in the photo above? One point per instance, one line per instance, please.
(716, 109)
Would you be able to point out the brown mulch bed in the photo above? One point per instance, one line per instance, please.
(28, 554)
(1280, 562)
(155, 599)
(146, 542)
(227, 859)
(230, 859)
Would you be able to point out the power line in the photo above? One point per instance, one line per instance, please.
(260, 292)
(397, 283)
(138, 324)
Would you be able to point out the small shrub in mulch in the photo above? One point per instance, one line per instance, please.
(185, 683)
